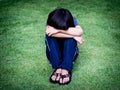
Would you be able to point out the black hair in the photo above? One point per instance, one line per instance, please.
(60, 18)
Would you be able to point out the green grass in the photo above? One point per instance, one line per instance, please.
(23, 63)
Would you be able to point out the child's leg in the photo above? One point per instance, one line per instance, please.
(70, 53)
(53, 51)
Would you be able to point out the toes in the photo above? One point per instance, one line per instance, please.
(65, 79)
(61, 81)
(58, 78)
(53, 77)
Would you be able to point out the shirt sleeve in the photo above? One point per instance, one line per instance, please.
(75, 21)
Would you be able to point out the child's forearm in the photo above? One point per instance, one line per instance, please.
(74, 31)
(62, 35)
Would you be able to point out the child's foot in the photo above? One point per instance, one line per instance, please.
(65, 77)
(55, 77)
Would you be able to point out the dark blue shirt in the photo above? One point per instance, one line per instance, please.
(75, 21)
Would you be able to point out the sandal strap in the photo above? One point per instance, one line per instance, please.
(56, 74)
(64, 76)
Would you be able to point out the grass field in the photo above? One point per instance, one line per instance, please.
(23, 63)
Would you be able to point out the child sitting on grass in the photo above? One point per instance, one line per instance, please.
(62, 34)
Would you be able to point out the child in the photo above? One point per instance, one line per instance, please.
(62, 34)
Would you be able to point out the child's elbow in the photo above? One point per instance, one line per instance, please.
(80, 32)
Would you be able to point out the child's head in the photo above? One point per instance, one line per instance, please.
(60, 19)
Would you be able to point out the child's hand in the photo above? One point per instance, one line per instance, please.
(51, 30)
(80, 40)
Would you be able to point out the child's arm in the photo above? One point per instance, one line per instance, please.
(50, 31)
(72, 31)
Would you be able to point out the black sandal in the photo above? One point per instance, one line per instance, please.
(56, 75)
(65, 76)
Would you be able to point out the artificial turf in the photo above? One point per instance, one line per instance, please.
(23, 62)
